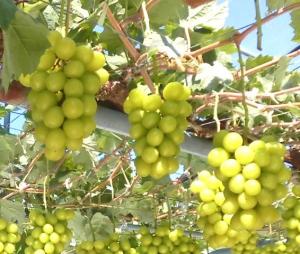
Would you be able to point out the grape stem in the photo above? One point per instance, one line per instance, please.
(135, 55)
(67, 21)
(243, 88)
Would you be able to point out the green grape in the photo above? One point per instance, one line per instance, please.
(47, 60)
(73, 128)
(65, 48)
(74, 69)
(91, 83)
(168, 124)
(54, 37)
(84, 54)
(97, 62)
(103, 75)
(232, 141)
(150, 119)
(89, 125)
(54, 117)
(89, 105)
(73, 108)
(45, 100)
(55, 81)
(217, 156)
(152, 102)
(154, 137)
(38, 80)
(73, 88)
(55, 139)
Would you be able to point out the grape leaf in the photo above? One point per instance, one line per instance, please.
(279, 74)
(255, 61)
(173, 48)
(25, 41)
(140, 208)
(12, 211)
(101, 225)
(6, 150)
(295, 16)
(168, 11)
(7, 13)
(211, 15)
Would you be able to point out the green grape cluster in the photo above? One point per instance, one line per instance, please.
(48, 232)
(114, 244)
(157, 126)
(164, 241)
(216, 212)
(248, 246)
(9, 237)
(62, 96)
(279, 247)
(252, 178)
(291, 214)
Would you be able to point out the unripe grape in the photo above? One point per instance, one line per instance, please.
(65, 48)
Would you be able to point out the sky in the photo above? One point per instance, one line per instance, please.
(277, 34)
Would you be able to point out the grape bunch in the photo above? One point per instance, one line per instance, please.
(216, 212)
(115, 244)
(254, 177)
(48, 232)
(245, 182)
(157, 126)
(9, 236)
(247, 246)
(164, 241)
(291, 214)
(62, 96)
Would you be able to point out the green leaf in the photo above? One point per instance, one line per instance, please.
(12, 211)
(137, 207)
(168, 11)
(111, 40)
(255, 61)
(7, 13)
(80, 227)
(279, 74)
(295, 17)
(211, 77)
(83, 229)
(211, 15)
(6, 150)
(35, 9)
(173, 48)
(25, 41)
(102, 225)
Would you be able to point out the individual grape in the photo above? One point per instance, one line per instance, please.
(38, 80)
(73, 128)
(84, 54)
(103, 75)
(54, 117)
(232, 141)
(55, 81)
(73, 88)
(97, 62)
(73, 108)
(47, 60)
(74, 69)
(65, 48)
